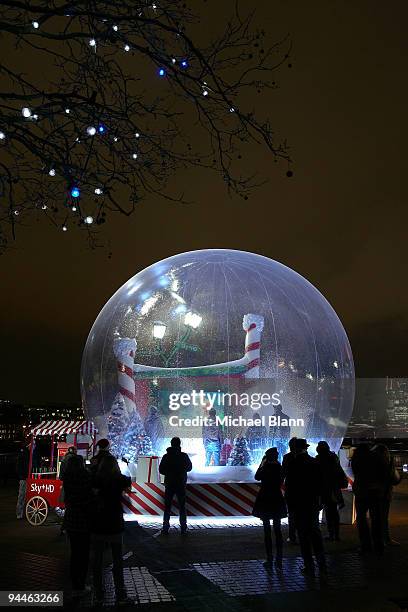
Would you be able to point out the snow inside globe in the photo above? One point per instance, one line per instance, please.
(228, 350)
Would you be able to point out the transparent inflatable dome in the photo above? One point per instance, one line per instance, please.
(218, 320)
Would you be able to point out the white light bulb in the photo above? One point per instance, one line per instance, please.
(92, 42)
(205, 92)
(173, 60)
(2, 135)
(26, 112)
(154, 6)
(67, 110)
(73, 208)
(127, 48)
(98, 191)
(134, 155)
(44, 207)
(52, 172)
(115, 139)
(16, 212)
(115, 27)
(64, 228)
(91, 130)
(89, 220)
(35, 25)
(137, 135)
(232, 109)
(35, 116)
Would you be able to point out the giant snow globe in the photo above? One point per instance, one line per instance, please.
(228, 350)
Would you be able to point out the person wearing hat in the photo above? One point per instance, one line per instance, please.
(303, 489)
(270, 504)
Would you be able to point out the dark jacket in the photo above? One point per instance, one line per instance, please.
(107, 518)
(78, 503)
(371, 475)
(286, 462)
(269, 503)
(96, 460)
(174, 467)
(331, 472)
(303, 483)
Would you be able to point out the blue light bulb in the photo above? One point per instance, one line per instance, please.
(75, 192)
(101, 129)
(184, 63)
(162, 72)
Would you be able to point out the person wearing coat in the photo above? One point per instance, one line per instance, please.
(174, 467)
(303, 484)
(371, 482)
(393, 479)
(108, 525)
(270, 504)
(77, 518)
(333, 478)
(286, 461)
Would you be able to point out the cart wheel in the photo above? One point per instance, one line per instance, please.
(36, 510)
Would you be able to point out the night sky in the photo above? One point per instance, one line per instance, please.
(340, 221)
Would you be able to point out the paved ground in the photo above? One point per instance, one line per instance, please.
(213, 569)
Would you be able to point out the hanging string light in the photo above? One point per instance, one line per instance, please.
(162, 72)
(91, 130)
(2, 135)
(26, 112)
(51, 172)
(35, 25)
(88, 220)
(75, 193)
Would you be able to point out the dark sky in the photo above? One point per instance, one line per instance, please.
(341, 221)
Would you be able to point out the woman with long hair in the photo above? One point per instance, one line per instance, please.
(270, 504)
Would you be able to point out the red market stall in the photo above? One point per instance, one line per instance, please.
(43, 484)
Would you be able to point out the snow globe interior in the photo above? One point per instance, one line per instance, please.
(231, 351)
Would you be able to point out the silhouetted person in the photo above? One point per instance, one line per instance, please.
(212, 439)
(71, 452)
(107, 525)
(286, 461)
(303, 481)
(103, 447)
(270, 504)
(77, 520)
(174, 466)
(393, 479)
(333, 479)
(279, 434)
(369, 488)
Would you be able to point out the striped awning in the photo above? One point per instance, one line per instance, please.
(47, 428)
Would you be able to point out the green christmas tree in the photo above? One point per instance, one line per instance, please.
(240, 454)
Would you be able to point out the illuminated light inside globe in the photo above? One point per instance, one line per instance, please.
(225, 330)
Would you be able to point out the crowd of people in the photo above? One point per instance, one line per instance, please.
(299, 488)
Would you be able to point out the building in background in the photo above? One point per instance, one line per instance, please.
(16, 418)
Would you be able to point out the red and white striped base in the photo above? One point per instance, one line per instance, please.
(221, 499)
